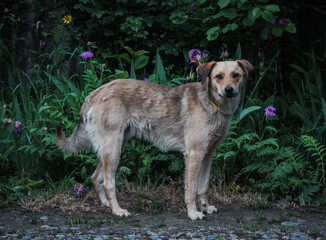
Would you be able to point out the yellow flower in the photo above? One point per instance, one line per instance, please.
(237, 187)
(67, 19)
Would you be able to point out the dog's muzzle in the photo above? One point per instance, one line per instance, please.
(229, 92)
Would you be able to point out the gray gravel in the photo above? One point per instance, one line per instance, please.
(229, 223)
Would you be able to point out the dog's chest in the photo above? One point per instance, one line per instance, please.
(220, 128)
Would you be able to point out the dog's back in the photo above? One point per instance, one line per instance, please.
(139, 109)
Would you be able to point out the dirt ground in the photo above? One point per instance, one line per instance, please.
(69, 218)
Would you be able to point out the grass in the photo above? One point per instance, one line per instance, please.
(153, 199)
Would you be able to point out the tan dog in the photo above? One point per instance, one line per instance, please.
(192, 118)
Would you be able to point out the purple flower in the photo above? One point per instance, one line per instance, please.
(45, 129)
(205, 54)
(79, 190)
(42, 44)
(270, 111)
(285, 20)
(192, 66)
(226, 54)
(18, 127)
(194, 54)
(87, 55)
(146, 79)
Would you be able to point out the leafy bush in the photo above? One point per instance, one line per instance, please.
(132, 39)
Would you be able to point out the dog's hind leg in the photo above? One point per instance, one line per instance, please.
(204, 183)
(193, 164)
(110, 156)
(97, 180)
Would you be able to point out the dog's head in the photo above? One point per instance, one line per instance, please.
(224, 78)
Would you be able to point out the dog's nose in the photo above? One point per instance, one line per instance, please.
(229, 89)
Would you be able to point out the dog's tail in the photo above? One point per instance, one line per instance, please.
(78, 140)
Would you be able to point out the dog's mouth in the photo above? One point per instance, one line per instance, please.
(228, 95)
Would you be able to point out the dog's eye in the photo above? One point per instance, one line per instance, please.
(219, 76)
(236, 75)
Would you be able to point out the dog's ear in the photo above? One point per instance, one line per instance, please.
(246, 66)
(204, 70)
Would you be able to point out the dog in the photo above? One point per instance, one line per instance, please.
(191, 118)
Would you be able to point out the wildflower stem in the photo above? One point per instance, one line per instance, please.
(261, 77)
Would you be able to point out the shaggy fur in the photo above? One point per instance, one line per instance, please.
(192, 118)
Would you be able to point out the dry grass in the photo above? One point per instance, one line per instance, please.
(167, 197)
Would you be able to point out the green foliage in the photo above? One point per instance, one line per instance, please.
(151, 39)
(310, 102)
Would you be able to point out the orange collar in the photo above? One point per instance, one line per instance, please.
(216, 107)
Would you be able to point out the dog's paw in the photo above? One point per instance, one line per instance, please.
(195, 215)
(121, 212)
(105, 203)
(210, 209)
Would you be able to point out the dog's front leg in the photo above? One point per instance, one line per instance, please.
(193, 164)
(204, 183)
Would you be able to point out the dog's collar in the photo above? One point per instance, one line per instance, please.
(216, 107)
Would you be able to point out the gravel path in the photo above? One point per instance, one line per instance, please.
(229, 223)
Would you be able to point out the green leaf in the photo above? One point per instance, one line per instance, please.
(277, 32)
(199, 2)
(247, 21)
(140, 53)
(178, 17)
(268, 16)
(212, 33)
(324, 108)
(229, 13)
(256, 13)
(43, 108)
(230, 26)
(273, 8)
(238, 52)
(223, 3)
(291, 28)
(126, 57)
(298, 68)
(132, 52)
(246, 111)
(132, 70)
(141, 61)
(159, 70)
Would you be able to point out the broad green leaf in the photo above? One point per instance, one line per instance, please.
(268, 16)
(178, 17)
(223, 3)
(132, 52)
(273, 8)
(141, 61)
(126, 57)
(140, 53)
(246, 111)
(229, 13)
(212, 33)
(291, 28)
(277, 32)
(255, 12)
(230, 26)
(247, 21)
